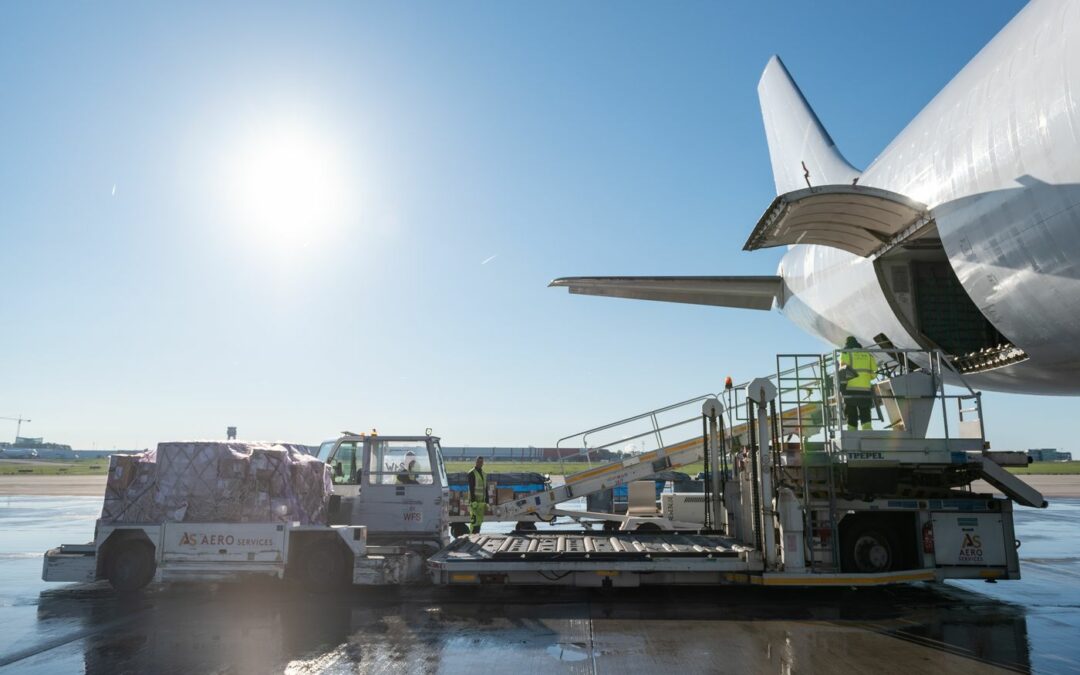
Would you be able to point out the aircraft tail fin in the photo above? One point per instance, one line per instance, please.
(802, 152)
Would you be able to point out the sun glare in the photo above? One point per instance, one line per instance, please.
(286, 186)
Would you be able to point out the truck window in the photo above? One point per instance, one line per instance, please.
(400, 463)
(346, 459)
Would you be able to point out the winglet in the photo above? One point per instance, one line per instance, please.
(799, 147)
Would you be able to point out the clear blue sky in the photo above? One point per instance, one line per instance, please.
(165, 277)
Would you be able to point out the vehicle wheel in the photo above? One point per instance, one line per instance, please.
(611, 525)
(647, 527)
(526, 526)
(131, 565)
(459, 529)
(869, 550)
(322, 567)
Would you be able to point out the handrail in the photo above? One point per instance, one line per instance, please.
(829, 361)
(644, 415)
(646, 433)
(656, 430)
(634, 418)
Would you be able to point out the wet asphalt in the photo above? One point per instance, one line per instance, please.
(962, 627)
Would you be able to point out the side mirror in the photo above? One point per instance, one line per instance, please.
(337, 469)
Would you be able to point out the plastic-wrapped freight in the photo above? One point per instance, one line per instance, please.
(129, 490)
(220, 481)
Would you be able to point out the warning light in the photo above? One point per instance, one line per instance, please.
(727, 382)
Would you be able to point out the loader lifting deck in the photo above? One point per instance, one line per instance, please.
(791, 498)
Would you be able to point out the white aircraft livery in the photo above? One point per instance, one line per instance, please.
(963, 235)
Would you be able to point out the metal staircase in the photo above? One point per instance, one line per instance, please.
(808, 422)
(653, 453)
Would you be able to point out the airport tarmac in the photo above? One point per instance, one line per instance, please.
(1051, 486)
(1030, 625)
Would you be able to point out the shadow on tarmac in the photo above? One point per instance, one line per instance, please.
(269, 628)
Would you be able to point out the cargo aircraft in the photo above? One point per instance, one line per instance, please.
(962, 235)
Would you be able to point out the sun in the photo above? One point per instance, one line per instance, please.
(285, 185)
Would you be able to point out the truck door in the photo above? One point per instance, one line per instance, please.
(346, 461)
(401, 493)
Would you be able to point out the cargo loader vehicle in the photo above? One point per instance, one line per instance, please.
(792, 497)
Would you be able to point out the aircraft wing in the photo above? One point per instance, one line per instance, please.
(740, 292)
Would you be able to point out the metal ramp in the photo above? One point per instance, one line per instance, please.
(644, 433)
(1011, 486)
(679, 419)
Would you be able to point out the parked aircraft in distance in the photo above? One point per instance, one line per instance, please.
(18, 453)
(963, 234)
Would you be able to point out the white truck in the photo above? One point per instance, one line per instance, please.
(380, 534)
(856, 508)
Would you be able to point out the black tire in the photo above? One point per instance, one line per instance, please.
(647, 527)
(322, 567)
(611, 525)
(131, 565)
(525, 526)
(868, 549)
(459, 529)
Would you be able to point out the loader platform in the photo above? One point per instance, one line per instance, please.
(589, 546)
(592, 559)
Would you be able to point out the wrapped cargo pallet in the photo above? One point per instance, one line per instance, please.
(129, 489)
(218, 481)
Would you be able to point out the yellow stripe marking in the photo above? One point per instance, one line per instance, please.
(846, 581)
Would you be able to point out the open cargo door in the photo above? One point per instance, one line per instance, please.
(861, 220)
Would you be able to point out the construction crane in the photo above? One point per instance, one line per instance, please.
(18, 426)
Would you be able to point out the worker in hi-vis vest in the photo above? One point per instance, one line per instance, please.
(477, 496)
(857, 373)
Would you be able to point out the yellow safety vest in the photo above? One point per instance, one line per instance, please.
(480, 485)
(865, 368)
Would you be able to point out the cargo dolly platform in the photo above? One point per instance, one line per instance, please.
(592, 559)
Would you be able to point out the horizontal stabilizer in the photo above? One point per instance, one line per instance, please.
(739, 292)
(802, 152)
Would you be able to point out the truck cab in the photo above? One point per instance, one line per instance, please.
(394, 485)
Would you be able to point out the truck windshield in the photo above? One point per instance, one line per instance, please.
(325, 449)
